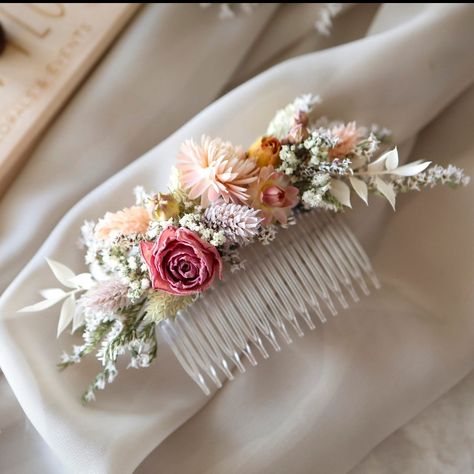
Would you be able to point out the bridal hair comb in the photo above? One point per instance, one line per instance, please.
(160, 263)
(309, 271)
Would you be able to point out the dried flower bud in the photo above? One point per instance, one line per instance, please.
(298, 133)
(302, 118)
(165, 207)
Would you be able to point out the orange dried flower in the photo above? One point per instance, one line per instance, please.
(266, 151)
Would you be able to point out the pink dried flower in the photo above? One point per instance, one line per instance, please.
(214, 169)
(180, 262)
(128, 221)
(273, 195)
(109, 296)
(240, 224)
(349, 136)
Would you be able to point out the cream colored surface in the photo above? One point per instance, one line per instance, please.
(323, 403)
(51, 49)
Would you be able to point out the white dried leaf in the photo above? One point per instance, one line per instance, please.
(412, 169)
(380, 164)
(67, 314)
(386, 189)
(38, 306)
(53, 294)
(359, 187)
(83, 280)
(391, 160)
(341, 192)
(78, 321)
(62, 273)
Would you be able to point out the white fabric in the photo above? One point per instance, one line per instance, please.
(313, 420)
(439, 440)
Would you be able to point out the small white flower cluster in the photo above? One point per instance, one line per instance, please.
(107, 349)
(141, 353)
(289, 161)
(319, 144)
(316, 195)
(232, 257)
(327, 12)
(228, 10)
(119, 257)
(380, 133)
(366, 148)
(112, 336)
(436, 175)
(195, 221)
(141, 196)
(267, 234)
(336, 167)
(157, 227)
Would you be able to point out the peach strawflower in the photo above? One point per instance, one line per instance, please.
(349, 136)
(273, 195)
(214, 169)
(128, 221)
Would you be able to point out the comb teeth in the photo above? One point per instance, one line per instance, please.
(309, 270)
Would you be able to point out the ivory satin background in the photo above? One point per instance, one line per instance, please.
(323, 403)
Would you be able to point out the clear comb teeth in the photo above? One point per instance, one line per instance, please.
(309, 270)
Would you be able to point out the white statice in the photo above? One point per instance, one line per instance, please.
(140, 353)
(233, 258)
(89, 396)
(192, 221)
(141, 196)
(87, 234)
(314, 197)
(284, 119)
(99, 383)
(106, 350)
(326, 13)
(157, 227)
(436, 175)
(230, 10)
(366, 148)
(111, 371)
(196, 222)
(267, 234)
(336, 167)
(132, 262)
(319, 144)
(73, 358)
(173, 183)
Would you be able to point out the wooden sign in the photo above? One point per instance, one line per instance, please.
(50, 48)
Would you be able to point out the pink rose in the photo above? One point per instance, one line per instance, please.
(180, 262)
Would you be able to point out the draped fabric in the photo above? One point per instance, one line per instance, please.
(324, 402)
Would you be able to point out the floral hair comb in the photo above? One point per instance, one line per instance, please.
(158, 264)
